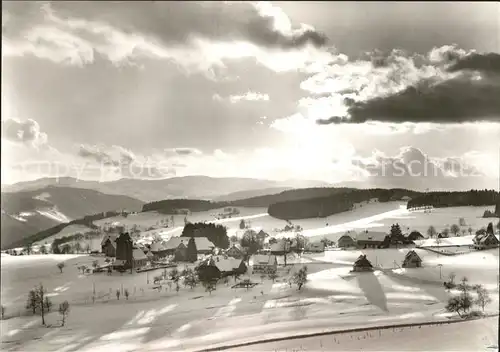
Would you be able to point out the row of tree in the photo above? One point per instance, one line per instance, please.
(39, 303)
(215, 233)
(456, 199)
(463, 302)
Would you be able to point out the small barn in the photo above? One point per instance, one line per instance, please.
(362, 264)
(485, 241)
(346, 241)
(235, 252)
(412, 260)
(415, 236)
(139, 259)
(108, 245)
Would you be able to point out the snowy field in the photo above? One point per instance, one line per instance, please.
(150, 320)
(477, 335)
(377, 216)
(164, 320)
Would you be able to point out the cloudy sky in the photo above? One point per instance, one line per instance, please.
(277, 90)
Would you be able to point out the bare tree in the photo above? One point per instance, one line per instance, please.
(48, 303)
(32, 301)
(431, 231)
(64, 311)
(483, 298)
(78, 247)
(60, 266)
(455, 229)
(41, 301)
(446, 232)
(462, 302)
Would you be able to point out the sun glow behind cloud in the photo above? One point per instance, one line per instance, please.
(367, 89)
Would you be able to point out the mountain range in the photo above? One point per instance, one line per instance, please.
(30, 207)
(199, 187)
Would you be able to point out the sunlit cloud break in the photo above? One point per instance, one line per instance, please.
(249, 96)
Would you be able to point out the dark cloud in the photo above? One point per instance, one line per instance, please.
(23, 132)
(175, 22)
(488, 63)
(452, 101)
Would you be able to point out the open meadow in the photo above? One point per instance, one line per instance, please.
(333, 298)
(379, 216)
(193, 319)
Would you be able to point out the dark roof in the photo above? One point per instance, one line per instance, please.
(412, 253)
(371, 236)
(362, 261)
(346, 236)
(481, 238)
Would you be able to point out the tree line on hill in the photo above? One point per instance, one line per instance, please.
(172, 206)
(335, 203)
(215, 233)
(456, 199)
(322, 202)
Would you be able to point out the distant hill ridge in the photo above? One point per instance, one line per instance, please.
(191, 187)
(323, 202)
(29, 212)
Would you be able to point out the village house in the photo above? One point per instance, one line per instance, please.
(412, 260)
(485, 241)
(235, 252)
(362, 264)
(415, 236)
(347, 240)
(228, 266)
(127, 254)
(158, 249)
(203, 245)
(139, 259)
(263, 263)
(180, 254)
(370, 239)
(108, 245)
